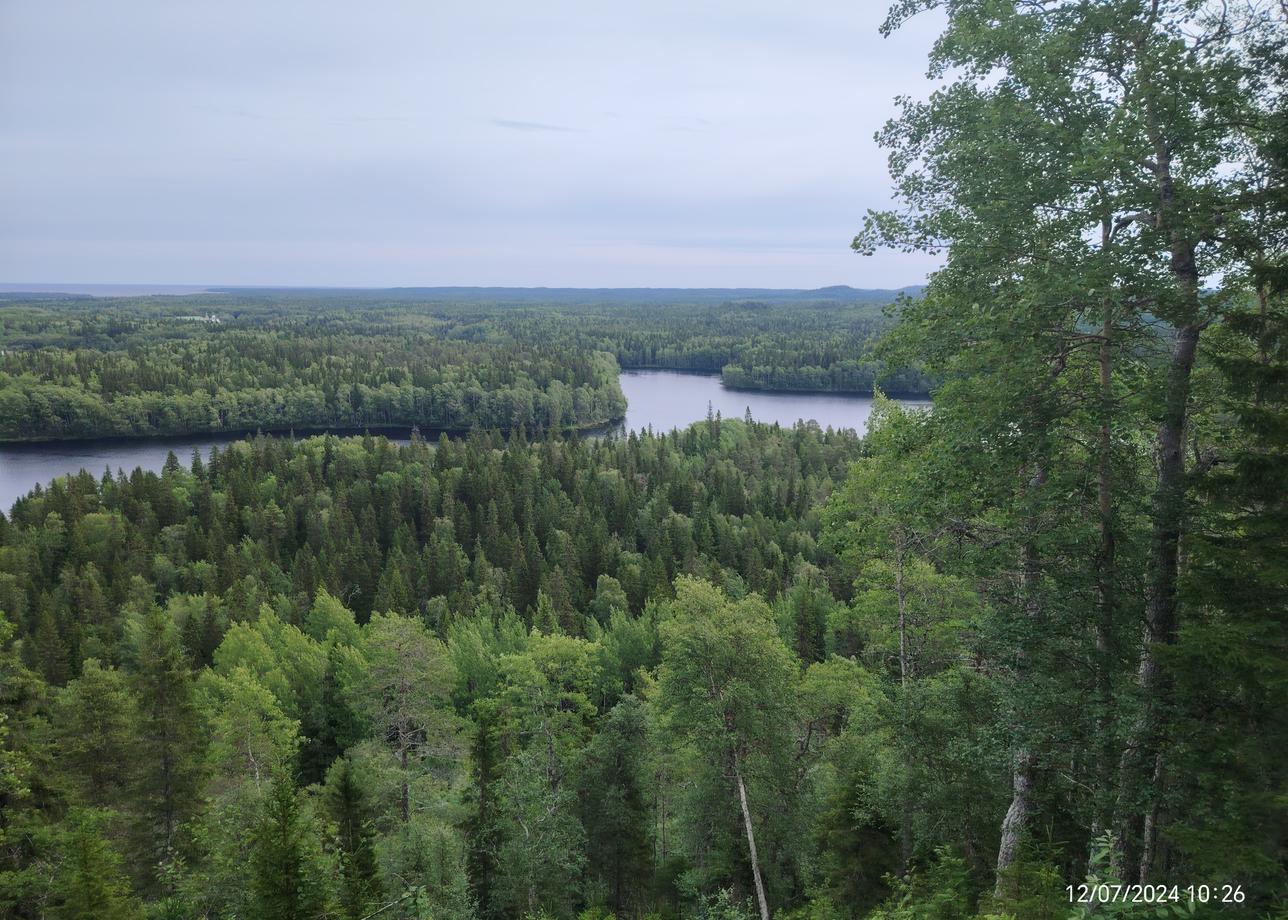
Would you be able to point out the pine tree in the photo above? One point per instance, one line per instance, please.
(404, 694)
(392, 593)
(51, 654)
(615, 806)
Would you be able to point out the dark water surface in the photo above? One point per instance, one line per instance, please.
(661, 399)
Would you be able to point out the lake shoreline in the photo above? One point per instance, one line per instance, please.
(865, 394)
(394, 432)
(658, 399)
(861, 394)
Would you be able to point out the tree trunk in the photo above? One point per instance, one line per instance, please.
(1017, 815)
(751, 840)
(1016, 821)
(1150, 824)
(1143, 758)
(1161, 619)
(1106, 575)
(905, 668)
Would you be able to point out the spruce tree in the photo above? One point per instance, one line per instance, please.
(285, 878)
(346, 803)
(91, 884)
(167, 782)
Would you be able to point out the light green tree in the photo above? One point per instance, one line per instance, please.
(1085, 170)
(725, 698)
(404, 693)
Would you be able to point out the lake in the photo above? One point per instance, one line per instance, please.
(672, 399)
(660, 399)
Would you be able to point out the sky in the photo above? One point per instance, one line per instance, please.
(433, 142)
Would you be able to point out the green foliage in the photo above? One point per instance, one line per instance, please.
(75, 369)
(1111, 370)
(726, 700)
(228, 672)
(1100, 871)
(1032, 638)
(169, 770)
(273, 368)
(941, 892)
(346, 803)
(288, 878)
(91, 881)
(402, 692)
(613, 787)
(93, 736)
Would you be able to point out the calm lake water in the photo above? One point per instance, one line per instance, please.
(661, 399)
(670, 399)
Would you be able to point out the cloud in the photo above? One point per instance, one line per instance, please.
(658, 144)
(530, 126)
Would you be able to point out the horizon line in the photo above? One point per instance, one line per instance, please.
(19, 287)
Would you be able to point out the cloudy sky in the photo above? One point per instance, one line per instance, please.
(647, 143)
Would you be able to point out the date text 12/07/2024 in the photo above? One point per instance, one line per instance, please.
(1106, 893)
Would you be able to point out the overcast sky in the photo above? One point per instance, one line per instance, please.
(650, 143)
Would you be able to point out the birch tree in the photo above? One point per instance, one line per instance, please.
(726, 690)
(1082, 166)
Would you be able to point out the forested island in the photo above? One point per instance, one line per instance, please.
(1022, 656)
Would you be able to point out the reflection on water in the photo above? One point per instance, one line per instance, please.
(670, 399)
(660, 399)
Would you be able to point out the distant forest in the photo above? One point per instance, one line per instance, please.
(85, 367)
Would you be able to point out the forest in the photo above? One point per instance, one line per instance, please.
(248, 361)
(117, 373)
(1022, 656)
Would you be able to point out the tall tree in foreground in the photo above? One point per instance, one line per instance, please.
(1085, 171)
(726, 689)
(93, 736)
(403, 692)
(615, 805)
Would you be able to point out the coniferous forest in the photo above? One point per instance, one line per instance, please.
(1023, 655)
(247, 361)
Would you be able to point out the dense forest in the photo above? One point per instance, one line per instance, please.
(114, 371)
(247, 361)
(424, 673)
(823, 346)
(1022, 656)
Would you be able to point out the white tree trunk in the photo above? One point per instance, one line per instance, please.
(751, 842)
(1017, 816)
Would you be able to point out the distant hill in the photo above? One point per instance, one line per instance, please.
(835, 296)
